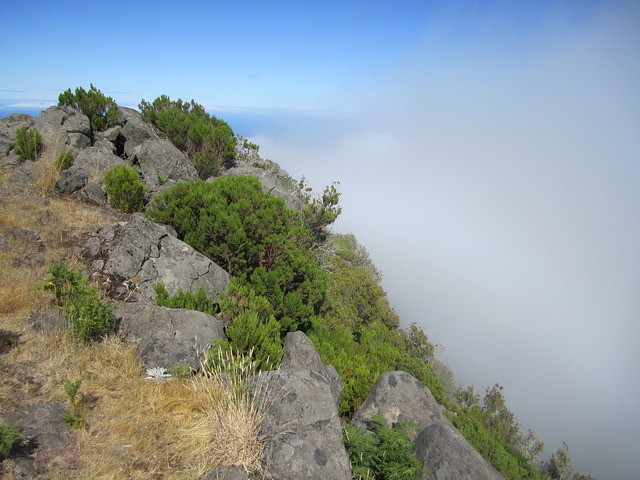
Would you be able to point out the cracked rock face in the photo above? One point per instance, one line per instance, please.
(137, 254)
(302, 427)
(168, 336)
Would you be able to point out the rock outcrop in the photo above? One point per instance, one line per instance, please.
(168, 336)
(155, 156)
(133, 256)
(303, 435)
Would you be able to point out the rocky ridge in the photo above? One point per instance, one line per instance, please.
(302, 429)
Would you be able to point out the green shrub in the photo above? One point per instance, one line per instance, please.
(124, 189)
(253, 236)
(28, 143)
(383, 453)
(101, 110)
(64, 160)
(90, 318)
(73, 416)
(208, 141)
(9, 437)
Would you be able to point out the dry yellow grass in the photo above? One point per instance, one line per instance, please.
(135, 428)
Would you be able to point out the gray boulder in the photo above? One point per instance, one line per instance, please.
(300, 354)
(303, 435)
(135, 255)
(269, 181)
(152, 154)
(447, 455)
(167, 336)
(24, 175)
(67, 124)
(98, 158)
(93, 193)
(400, 397)
(72, 179)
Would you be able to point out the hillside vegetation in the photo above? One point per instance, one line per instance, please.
(289, 273)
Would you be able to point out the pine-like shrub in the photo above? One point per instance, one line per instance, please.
(124, 189)
(101, 110)
(28, 143)
(90, 318)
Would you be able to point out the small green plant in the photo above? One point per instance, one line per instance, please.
(182, 370)
(9, 437)
(261, 165)
(89, 316)
(384, 453)
(198, 301)
(124, 189)
(162, 178)
(72, 416)
(28, 143)
(64, 160)
(247, 144)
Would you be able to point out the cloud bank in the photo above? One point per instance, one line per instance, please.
(500, 198)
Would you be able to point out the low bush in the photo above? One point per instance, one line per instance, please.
(89, 316)
(124, 189)
(28, 143)
(383, 453)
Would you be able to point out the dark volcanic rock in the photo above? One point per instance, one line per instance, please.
(167, 336)
(42, 423)
(72, 179)
(302, 428)
(400, 397)
(447, 455)
(137, 254)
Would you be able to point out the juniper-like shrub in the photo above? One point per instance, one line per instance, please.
(208, 141)
(124, 189)
(28, 143)
(253, 236)
(101, 110)
(90, 318)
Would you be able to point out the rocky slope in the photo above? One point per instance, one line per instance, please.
(301, 429)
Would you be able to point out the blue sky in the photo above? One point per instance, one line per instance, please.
(488, 154)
